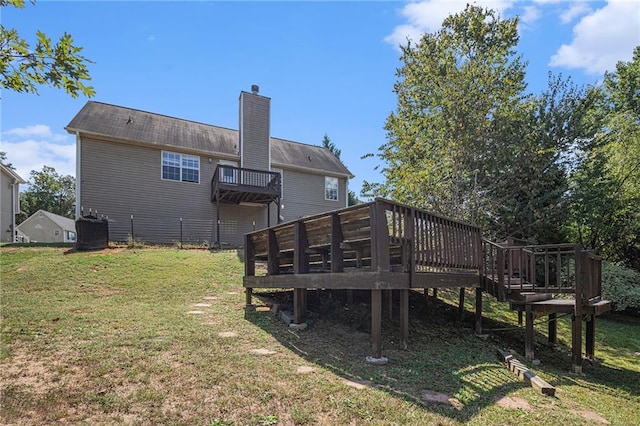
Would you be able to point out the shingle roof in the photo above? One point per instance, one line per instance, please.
(63, 222)
(12, 173)
(141, 127)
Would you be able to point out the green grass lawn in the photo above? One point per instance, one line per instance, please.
(160, 336)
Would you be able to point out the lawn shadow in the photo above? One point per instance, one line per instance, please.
(446, 369)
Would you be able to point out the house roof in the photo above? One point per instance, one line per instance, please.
(12, 173)
(63, 222)
(147, 128)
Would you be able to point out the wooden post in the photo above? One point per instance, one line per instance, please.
(404, 318)
(461, 305)
(590, 337)
(299, 305)
(478, 310)
(576, 319)
(529, 335)
(387, 298)
(337, 255)
(249, 266)
(553, 328)
(376, 322)
(576, 344)
(435, 293)
(273, 262)
(379, 237)
(300, 246)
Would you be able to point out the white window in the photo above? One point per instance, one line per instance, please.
(331, 188)
(180, 167)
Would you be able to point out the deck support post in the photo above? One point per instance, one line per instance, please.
(299, 305)
(590, 337)
(248, 292)
(553, 328)
(461, 305)
(387, 301)
(376, 322)
(529, 335)
(478, 310)
(435, 293)
(576, 343)
(249, 267)
(404, 318)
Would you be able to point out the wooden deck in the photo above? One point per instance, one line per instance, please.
(384, 246)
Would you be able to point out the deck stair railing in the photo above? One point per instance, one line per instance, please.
(554, 269)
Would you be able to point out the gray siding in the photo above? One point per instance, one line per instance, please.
(254, 131)
(120, 180)
(41, 229)
(304, 195)
(6, 212)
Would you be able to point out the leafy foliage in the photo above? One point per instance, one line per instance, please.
(23, 68)
(606, 184)
(621, 285)
(48, 191)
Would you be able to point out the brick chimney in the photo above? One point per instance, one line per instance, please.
(255, 119)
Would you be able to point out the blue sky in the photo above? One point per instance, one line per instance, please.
(328, 67)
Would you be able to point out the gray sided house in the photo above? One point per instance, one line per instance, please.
(47, 227)
(161, 179)
(9, 202)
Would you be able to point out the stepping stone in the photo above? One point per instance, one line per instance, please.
(431, 396)
(195, 312)
(227, 334)
(209, 298)
(232, 292)
(303, 369)
(202, 305)
(262, 352)
(360, 384)
(590, 415)
(513, 402)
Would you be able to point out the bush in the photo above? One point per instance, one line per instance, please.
(621, 285)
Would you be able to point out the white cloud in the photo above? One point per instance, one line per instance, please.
(530, 15)
(576, 9)
(427, 16)
(602, 38)
(33, 147)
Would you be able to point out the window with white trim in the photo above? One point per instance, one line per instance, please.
(227, 174)
(331, 188)
(180, 167)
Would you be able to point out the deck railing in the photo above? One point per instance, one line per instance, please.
(555, 268)
(244, 180)
(380, 235)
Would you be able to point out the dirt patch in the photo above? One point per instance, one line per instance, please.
(227, 334)
(590, 415)
(305, 369)
(514, 402)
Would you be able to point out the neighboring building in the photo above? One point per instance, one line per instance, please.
(9, 202)
(154, 177)
(47, 227)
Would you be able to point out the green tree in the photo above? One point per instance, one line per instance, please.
(23, 67)
(605, 189)
(48, 191)
(326, 143)
(457, 91)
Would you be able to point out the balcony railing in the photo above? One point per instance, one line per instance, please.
(236, 184)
